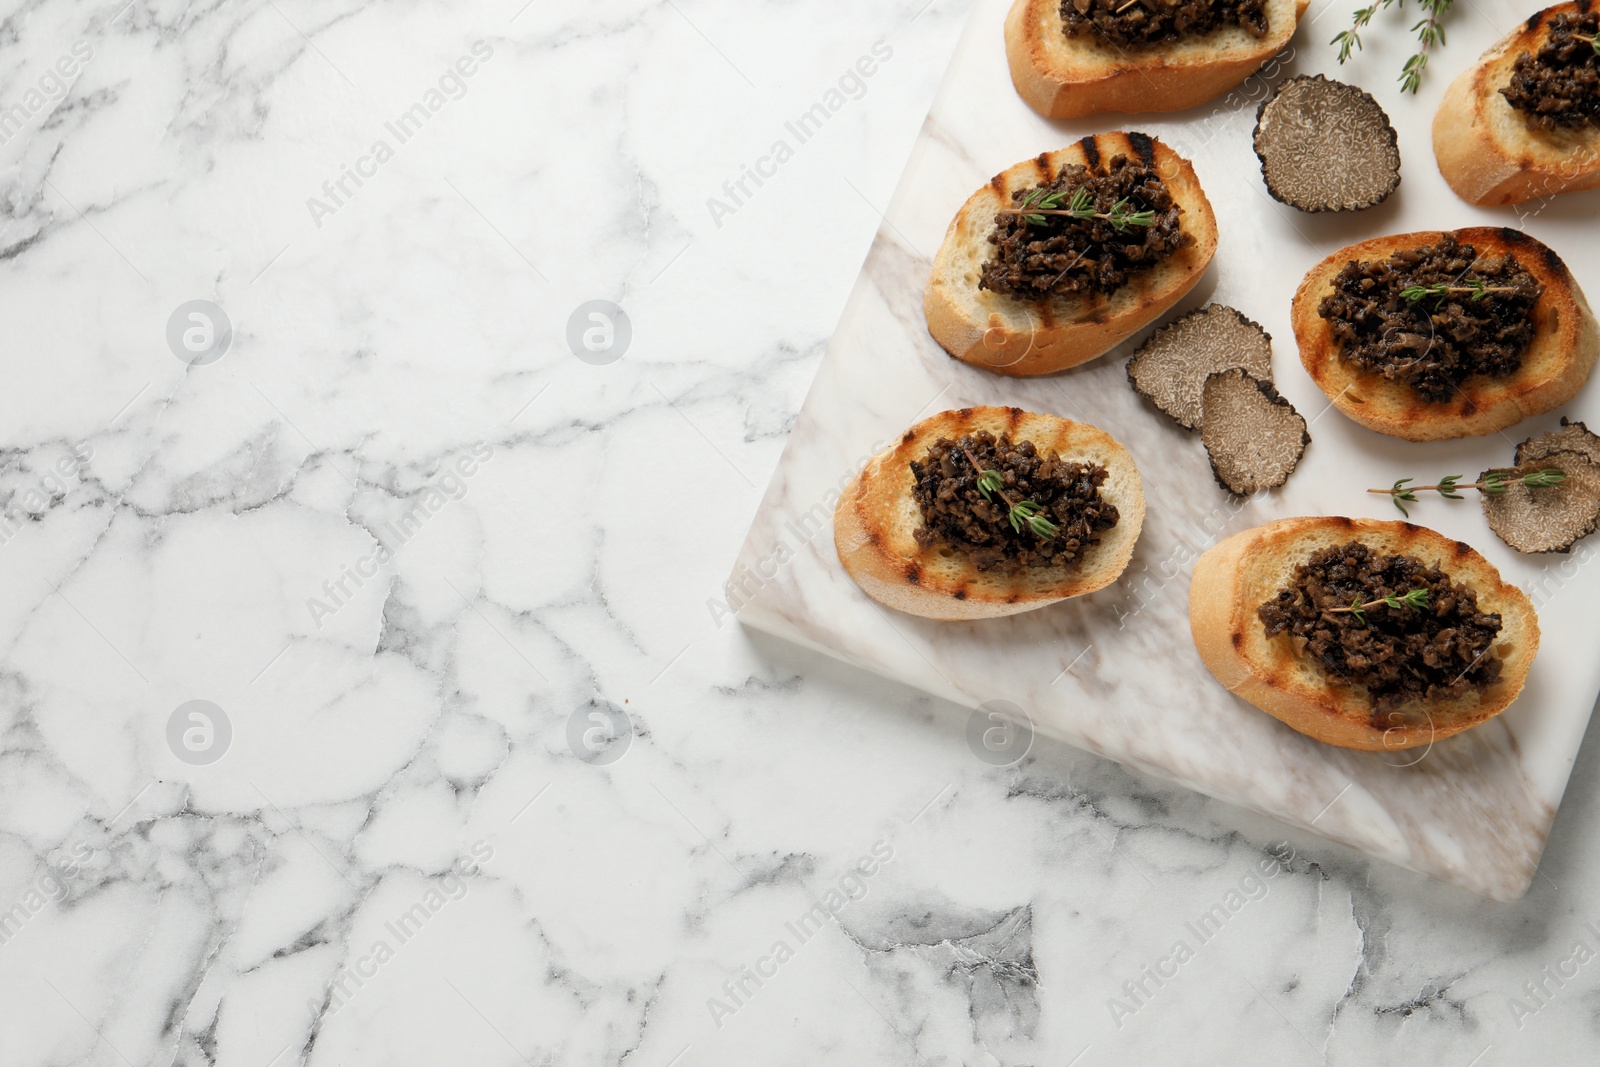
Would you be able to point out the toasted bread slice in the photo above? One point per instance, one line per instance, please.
(1558, 361)
(1065, 77)
(1488, 152)
(1246, 570)
(1009, 335)
(876, 519)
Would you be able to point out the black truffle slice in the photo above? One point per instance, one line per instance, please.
(1171, 368)
(1326, 146)
(1253, 436)
(1572, 437)
(1551, 519)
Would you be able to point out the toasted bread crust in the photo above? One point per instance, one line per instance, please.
(1563, 352)
(1487, 152)
(1068, 78)
(1236, 576)
(874, 522)
(1021, 337)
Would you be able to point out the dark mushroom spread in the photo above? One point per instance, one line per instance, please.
(1558, 88)
(1140, 23)
(1059, 254)
(958, 517)
(1433, 317)
(1398, 654)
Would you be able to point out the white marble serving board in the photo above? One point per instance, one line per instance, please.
(1116, 673)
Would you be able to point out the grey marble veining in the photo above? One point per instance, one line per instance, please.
(502, 781)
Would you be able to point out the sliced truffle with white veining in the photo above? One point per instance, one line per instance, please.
(1572, 437)
(1254, 436)
(1171, 367)
(1548, 519)
(1326, 146)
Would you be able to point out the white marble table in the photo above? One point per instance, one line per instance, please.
(483, 773)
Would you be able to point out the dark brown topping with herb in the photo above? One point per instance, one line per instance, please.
(1005, 506)
(1393, 624)
(1141, 23)
(1433, 317)
(1086, 231)
(1559, 86)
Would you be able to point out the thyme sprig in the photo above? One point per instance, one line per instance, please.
(1413, 294)
(1594, 42)
(1020, 513)
(1429, 31)
(1493, 483)
(1040, 204)
(1416, 600)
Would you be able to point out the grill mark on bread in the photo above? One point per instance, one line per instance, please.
(1518, 239)
(1091, 152)
(1554, 261)
(1142, 145)
(914, 573)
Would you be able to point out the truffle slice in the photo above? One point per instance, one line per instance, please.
(1171, 368)
(1253, 436)
(1551, 519)
(1572, 437)
(1326, 146)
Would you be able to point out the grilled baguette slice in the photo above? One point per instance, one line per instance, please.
(1558, 361)
(1246, 570)
(1066, 77)
(1488, 152)
(874, 523)
(1025, 337)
